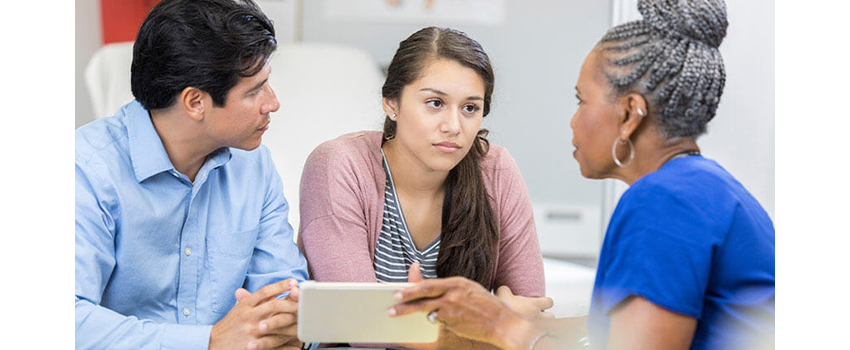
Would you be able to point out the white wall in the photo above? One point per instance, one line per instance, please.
(87, 39)
(742, 135)
(537, 50)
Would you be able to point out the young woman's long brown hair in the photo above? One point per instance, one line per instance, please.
(470, 234)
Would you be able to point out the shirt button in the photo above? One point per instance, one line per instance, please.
(188, 251)
(186, 311)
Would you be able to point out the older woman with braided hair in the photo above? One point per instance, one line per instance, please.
(688, 258)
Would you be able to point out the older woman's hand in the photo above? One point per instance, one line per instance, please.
(466, 308)
(530, 308)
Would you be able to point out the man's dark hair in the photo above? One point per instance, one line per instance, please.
(206, 44)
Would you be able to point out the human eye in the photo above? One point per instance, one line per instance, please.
(580, 101)
(253, 92)
(471, 108)
(434, 103)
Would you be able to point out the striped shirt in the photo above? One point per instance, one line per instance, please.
(395, 251)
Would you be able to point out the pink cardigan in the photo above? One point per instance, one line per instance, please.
(342, 204)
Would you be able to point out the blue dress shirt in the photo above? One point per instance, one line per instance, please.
(158, 257)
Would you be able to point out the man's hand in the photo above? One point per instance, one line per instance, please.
(530, 308)
(259, 321)
(284, 326)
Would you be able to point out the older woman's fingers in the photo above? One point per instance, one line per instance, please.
(422, 305)
(433, 288)
(504, 292)
(425, 289)
(544, 303)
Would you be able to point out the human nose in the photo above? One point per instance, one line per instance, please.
(573, 121)
(451, 123)
(272, 103)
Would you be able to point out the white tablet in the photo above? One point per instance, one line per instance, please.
(331, 312)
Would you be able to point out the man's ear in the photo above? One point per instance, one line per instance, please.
(635, 112)
(195, 102)
(390, 107)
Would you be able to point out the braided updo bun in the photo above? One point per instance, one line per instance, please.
(703, 21)
(671, 57)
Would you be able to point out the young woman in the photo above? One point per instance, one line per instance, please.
(688, 258)
(429, 191)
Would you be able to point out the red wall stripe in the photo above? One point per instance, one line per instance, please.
(121, 19)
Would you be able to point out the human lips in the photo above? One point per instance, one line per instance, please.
(447, 146)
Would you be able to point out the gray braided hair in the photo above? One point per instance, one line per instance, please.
(671, 57)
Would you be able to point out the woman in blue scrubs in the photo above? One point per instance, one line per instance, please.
(688, 258)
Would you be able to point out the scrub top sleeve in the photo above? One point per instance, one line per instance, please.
(662, 252)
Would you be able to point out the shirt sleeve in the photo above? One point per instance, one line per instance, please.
(659, 248)
(276, 256)
(334, 227)
(520, 264)
(97, 327)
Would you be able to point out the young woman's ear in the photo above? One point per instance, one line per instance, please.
(390, 107)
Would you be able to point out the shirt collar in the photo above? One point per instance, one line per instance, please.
(218, 158)
(147, 153)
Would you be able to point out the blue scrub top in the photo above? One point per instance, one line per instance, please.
(691, 239)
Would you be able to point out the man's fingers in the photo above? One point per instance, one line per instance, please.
(268, 342)
(293, 344)
(548, 315)
(293, 294)
(289, 347)
(276, 306)
(242, 293)
(281, 324)
(289, 331)
(271, 291)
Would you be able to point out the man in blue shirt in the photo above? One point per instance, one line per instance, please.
(179, 209)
